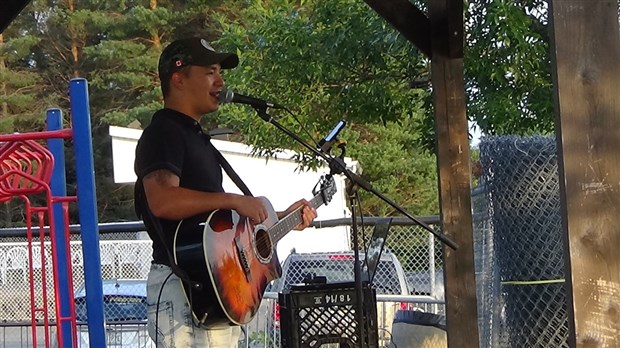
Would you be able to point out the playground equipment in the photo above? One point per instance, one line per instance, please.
(28, 168)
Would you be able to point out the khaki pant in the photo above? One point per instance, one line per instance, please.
(175, 327)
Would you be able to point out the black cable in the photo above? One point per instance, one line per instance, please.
(161, 290)
(302, 127)
(194, 322)
(175, 269)
(245, 333)
(391, 339)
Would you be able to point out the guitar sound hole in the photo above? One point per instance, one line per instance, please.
(263, 244)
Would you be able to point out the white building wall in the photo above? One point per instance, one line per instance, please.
(275, 178)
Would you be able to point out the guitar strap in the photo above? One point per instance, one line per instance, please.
(158, 228)
(160, 231)
(231, 173)
(156, 224)
(155, 221)
(173, 265)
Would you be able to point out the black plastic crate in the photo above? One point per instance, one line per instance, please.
(315, 315)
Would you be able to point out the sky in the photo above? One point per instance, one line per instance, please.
(475, 132)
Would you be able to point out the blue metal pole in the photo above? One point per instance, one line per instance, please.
(59, 189)
(87, 205)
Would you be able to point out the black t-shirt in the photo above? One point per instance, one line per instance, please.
(176, 142)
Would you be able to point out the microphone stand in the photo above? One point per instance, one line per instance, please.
(337, 166)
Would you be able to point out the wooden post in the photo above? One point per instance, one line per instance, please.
(446, 17)
(586, 61)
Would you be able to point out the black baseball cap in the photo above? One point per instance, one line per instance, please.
(192, 51)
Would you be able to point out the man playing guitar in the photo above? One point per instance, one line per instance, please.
(179, 177)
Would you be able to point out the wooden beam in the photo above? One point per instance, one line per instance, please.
(447, 23)
(453, 166)
(10, 10)
(586, 65)
(407, 19)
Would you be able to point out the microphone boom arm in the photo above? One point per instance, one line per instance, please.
(337, 166)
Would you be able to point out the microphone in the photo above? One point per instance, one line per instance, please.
(228, 96)
(326, 143)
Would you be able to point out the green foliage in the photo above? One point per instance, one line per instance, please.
(393, 162)
(507, 69)
(510, 89)
(259, 339)
(330, 61)
(22, 92)
(119, 77)
(326, 60)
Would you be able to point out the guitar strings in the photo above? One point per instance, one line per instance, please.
(263, 240)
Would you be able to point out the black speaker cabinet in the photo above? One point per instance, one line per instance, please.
(315, 315)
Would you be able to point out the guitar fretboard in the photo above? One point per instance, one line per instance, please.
(289, 222)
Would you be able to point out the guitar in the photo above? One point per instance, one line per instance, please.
(230, 260)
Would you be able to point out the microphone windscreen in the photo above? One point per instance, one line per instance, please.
(226, 96)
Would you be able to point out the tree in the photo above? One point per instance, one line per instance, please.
(510, 90)
(23, 98)
(115, 46)
(23, 95)
(335, 60)
(331, 61)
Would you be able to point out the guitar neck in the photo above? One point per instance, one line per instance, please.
(289, 222)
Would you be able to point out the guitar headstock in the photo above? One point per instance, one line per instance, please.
(327, 188)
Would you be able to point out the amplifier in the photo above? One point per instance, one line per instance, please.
(312, 316)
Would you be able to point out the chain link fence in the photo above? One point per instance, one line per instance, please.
(389, 278)
(518, 242)
(127, 255)
(121, 258)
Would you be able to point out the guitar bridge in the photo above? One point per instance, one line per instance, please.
(243, 259)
